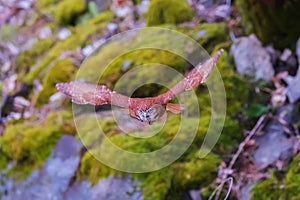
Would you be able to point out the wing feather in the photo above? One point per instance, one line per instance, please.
(194, 78)
(85, 93)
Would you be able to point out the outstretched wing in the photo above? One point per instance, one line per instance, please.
(85, 93)
(194, 78)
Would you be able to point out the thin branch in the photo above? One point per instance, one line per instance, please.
(229, 170)
(246, 140)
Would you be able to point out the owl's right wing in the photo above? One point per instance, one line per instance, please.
(85, 93)
(194, 78)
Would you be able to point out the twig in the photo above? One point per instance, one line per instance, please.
(247, 139)
(230, 179)
(237, 154)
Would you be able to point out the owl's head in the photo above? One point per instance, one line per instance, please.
(152, 114)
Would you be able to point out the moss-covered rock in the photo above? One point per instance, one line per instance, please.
(278, 188)
(68, 10)
(30, 143)
(293, 179)
(272, 21)
(142, 57)
(94, 170)
(111, 62)
(62, 71)
(208, 35)
(45, 3)
(188, 172)
(28, 58)
(156, 185)
(168, 11)
(77, 39)
(197, 172)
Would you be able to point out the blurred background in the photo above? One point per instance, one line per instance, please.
(44, 42)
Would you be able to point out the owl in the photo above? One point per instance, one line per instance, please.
(148, 109)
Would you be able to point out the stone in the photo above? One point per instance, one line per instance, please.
(252, 59)
(293, 91)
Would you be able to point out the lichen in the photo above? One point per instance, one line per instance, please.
(68, 10)
(171, 11)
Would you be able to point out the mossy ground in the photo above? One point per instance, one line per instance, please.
(168, 12)
(29, 143)
(279, 186)
(188, 172)
(68, 10)
(79, 38)
(62, 71)
(44, 62)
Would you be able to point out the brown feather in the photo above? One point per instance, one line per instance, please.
(84, 93)
(174, 108)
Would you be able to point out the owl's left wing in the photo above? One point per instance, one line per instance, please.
(85, 93)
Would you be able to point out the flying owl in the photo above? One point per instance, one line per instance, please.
(148, 109)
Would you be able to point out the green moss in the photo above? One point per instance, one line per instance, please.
(94, 170)
(208, 35)
(106, 59)
(268, 189)
(137, 58)
(28, 58)
(197, 173)
(156, 185)
(68, 10)
(273, 22)
(171, 182)
(77, 39)
(235, 100)
(275, 188)
(113, 67)
(168, 11)
(8, 32)
(186, 173)
(62, 71)
(30, 143)
(45, 3)
(235, 97)
(103, 17)
(4, 159)
(293, 180)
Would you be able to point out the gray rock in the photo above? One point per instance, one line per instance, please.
(52, 181)
(293, 89)
(112, 188)
(251, 58)
(274, 144)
